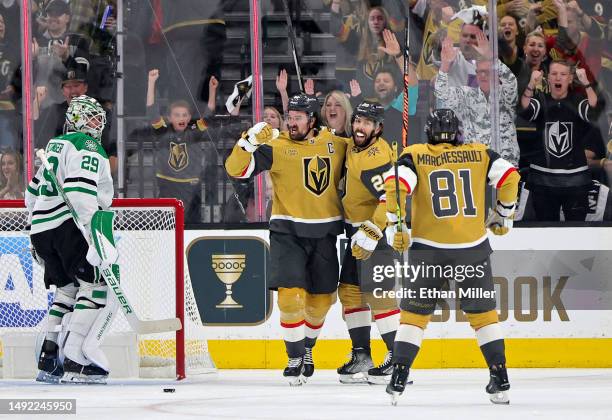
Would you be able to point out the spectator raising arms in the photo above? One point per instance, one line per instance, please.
(372, 41)
(472, 104)
(56, 49)
(559, 177)
(178, 156)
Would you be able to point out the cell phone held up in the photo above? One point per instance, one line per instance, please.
(108, 12)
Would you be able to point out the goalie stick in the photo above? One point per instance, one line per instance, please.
(140, 326)
(293, 41)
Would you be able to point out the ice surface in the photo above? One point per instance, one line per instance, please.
(263, 394)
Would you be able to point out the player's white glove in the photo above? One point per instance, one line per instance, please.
(93, 257)
(400, 241)
(363, 242)
(501, 218)
(260, 133)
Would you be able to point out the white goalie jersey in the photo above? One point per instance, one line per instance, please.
(82, 168)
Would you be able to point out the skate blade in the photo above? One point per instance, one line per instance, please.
(394, 397)
(298, 381)
(47, 378)
(379, 380)
(500, 397)
(80, 379)
(354, 378)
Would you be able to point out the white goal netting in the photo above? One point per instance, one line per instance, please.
(145, 237)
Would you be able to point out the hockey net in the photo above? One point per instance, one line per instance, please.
(149, 236)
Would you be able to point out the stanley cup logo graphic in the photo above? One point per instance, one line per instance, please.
(229, 269)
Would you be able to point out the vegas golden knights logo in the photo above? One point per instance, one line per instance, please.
(178, 158)
(317, 174)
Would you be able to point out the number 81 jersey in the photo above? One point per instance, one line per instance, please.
(82, 169)
(448, 184)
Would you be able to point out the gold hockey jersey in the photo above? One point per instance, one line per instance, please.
(305, 178)
(364, 190)
(447, 184)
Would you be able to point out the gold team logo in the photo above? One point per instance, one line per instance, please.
(179, 158)
(228, 268)
(317, 174)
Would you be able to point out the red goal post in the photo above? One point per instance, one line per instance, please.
(143, 226)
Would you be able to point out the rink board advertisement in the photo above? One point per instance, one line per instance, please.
(554, 297)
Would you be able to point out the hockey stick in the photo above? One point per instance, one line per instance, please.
(293, 41)
(137, 324)
(398, 210)
(405, 109)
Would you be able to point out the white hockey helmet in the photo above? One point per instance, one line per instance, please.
(86, 115)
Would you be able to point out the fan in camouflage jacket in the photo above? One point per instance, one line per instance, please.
(474, 110)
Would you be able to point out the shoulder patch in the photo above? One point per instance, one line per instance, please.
(91, 145)
(83, 142)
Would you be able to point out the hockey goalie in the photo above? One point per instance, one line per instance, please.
(61, 197)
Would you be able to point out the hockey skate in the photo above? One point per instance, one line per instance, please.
(381, 374)
(399, 378)
(295, 371)
(355, 371)
(50, 369)
(498, 385)
(75, 373)
(308, 363)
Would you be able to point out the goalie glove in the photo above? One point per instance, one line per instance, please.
(260, 133)
(400, 241)
(37, 258)
(363, 242)
(500, 219)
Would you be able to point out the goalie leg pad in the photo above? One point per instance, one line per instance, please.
(91, 299)
(99, 329)
(63, 303)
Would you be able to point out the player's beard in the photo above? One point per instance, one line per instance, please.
(298, 136)
(367, 140)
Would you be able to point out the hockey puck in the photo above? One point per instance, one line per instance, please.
(169, 390)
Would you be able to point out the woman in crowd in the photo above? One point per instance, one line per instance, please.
(536, 58)
(510, 50)
(337, 113)
(371, 40)
(11, 179)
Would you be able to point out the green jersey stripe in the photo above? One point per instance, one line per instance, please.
(81, 190)
(48, 219)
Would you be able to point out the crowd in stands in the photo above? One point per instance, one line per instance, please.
(548, 68)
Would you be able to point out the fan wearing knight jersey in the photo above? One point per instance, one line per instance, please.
(82, 169)
(305, 165)
(368, 157)
(559, 176)
(447, 181)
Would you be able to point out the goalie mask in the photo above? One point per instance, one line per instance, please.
(442, 126)
(85, 115)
